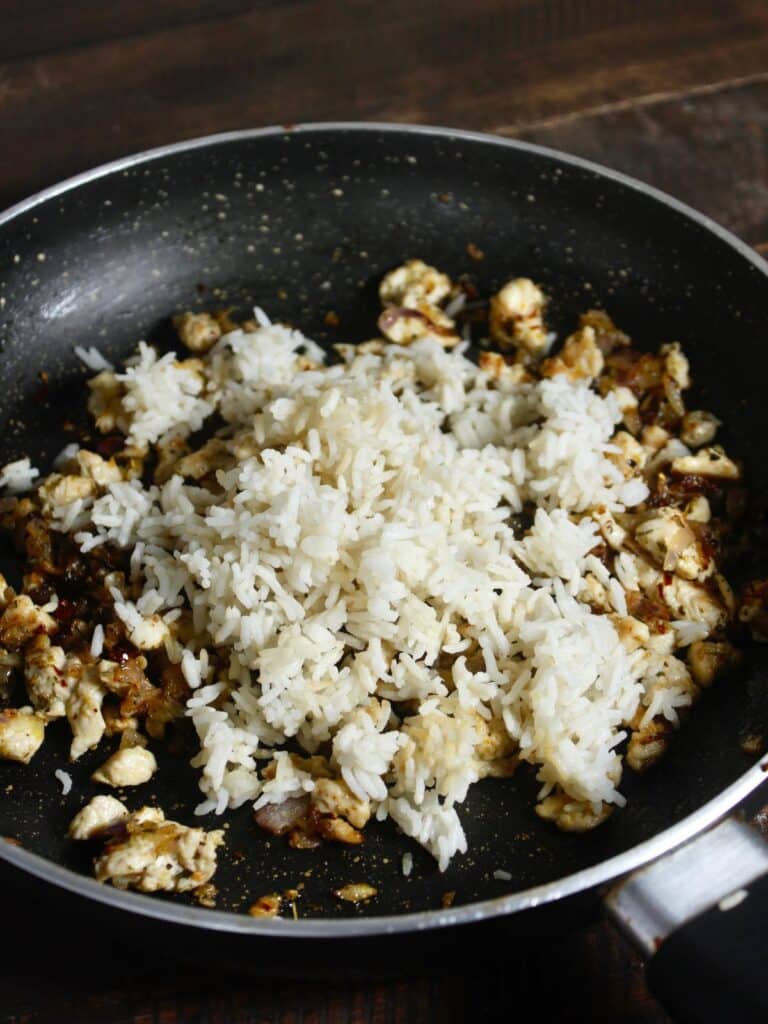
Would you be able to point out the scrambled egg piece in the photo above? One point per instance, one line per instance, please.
(404, 324)
(412, 283)
(498, 369)
(517, 317)
(673, 545)
(149, 634)
(572, 815)
(709, 659)
(676, 365)
(333, 796)
(61, 685)
(46, 678)
(647, 745)
(22, 732)
(22, 620)
(579, 359)
(104, 402)
(698, 510)
(411, 295)
(631, 456)
(213, 455)
(84, 712)
(61, 489)
(711, 462)
(198, 331)
(153, 854)
(650, 737)
(98, 815)
(613, 533)
(688, 600)
(698, 428)
(130, 766)
(93, 467)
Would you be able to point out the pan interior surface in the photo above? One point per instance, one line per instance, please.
(303, 223)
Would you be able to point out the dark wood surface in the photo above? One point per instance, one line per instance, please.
(672, 91)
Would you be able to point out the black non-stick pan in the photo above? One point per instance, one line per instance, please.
(302, 221)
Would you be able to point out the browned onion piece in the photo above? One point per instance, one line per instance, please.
(277, 819)
(392, 314)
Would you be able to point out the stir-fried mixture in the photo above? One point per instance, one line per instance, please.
(370, 584)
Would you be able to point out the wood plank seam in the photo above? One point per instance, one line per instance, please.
(122, 37)
(633, 103)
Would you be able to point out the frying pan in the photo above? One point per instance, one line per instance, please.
(303, 220)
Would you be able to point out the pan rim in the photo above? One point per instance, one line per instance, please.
(528, 899)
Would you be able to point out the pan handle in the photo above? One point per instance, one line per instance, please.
(700, 914)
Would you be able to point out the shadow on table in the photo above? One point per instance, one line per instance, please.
(58, 967)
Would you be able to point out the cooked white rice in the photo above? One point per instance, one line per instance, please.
(364, 534)
(92, 358)
(65, 779)
(66, 454)
(17, 477)
(97, 641)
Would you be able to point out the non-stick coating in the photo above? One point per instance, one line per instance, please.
(305, 222)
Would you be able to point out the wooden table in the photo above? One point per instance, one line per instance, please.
(672, 91)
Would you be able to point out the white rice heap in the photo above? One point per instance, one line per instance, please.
(361, 544)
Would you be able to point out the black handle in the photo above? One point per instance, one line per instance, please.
(714, 969)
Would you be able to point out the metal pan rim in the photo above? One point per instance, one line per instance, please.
(529, 899)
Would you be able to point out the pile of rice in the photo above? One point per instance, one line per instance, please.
(358, 550)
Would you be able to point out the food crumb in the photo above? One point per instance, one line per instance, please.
(356, 892)
(266, 906)
(331, 319)
(753, 744)
(448, 898)
(502, 876)
(206, 894)
(474, 252)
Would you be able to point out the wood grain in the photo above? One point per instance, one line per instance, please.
(487, 64)
(597, 978)
(711, 150)
(38, 26)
